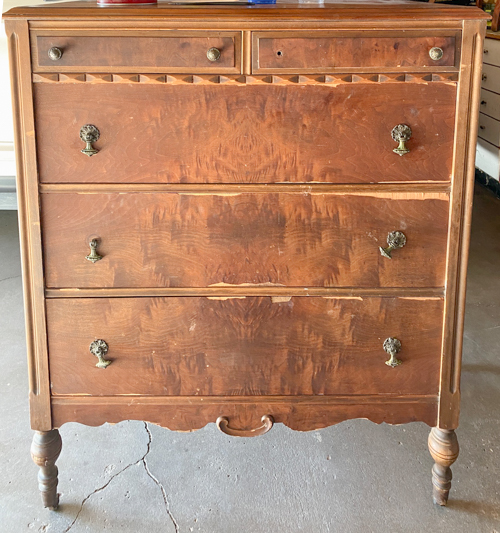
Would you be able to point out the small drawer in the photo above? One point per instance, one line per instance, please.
(200, 240)
(491, 52)
(190, 53)
(491, 78)
(329, 52)
(246, 346)
(489, 129)
(490, 104)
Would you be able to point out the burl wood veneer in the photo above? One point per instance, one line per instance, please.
(245, 216)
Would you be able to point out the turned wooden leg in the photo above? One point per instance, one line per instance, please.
(45, 450)
(443, 445)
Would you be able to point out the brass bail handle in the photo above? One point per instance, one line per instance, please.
(392, 346)
(89, 134)
(93, 255)
(395, 240)
(267, 424)
(99, 348)
(401, 134)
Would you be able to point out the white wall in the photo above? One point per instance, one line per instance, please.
(7, 161)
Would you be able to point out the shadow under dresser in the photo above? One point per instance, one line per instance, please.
(245, 215)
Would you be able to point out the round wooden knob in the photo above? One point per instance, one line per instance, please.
(213, 54)
(55, 53)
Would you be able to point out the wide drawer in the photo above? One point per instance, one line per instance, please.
(158, 51)
(303, 52)
(198, 240)
(236, 133)
(250, 346)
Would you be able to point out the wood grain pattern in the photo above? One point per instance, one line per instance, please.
(248, 346)
(278, 52)
(303, 413)
(135, 53)
(247, 134)
(197, 240)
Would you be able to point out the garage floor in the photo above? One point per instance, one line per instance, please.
(350, 478)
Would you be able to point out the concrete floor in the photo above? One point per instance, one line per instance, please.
(355, 477)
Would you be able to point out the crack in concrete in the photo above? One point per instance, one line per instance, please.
(11, 277)
(99, 489)
(148, 472)
(162, 488)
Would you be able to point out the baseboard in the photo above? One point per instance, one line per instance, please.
(487, 181)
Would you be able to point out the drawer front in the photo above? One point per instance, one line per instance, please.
(491, 78)
(490, 104)
(250, 346)
(489, 129)
(244, 133)
(491, 54)
(183, 240)
(115, 53)
(306, 53)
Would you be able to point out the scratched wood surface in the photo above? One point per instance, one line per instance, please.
(319, 52)
(190, 240)
(245, 134)
(96, 53)
(248, 346)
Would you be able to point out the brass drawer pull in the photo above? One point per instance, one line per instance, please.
(267, 424)
(93, 255)
(395, 240)
(55, 53)
(99, 348)
(436, 53)
(213, 54)
(392, 346)
(89, 134)
(401, 134)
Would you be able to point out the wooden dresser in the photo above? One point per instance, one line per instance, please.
(245, 215)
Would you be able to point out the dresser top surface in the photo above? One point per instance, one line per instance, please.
(285, 9)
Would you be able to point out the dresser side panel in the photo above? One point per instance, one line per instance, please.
(29, 224)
